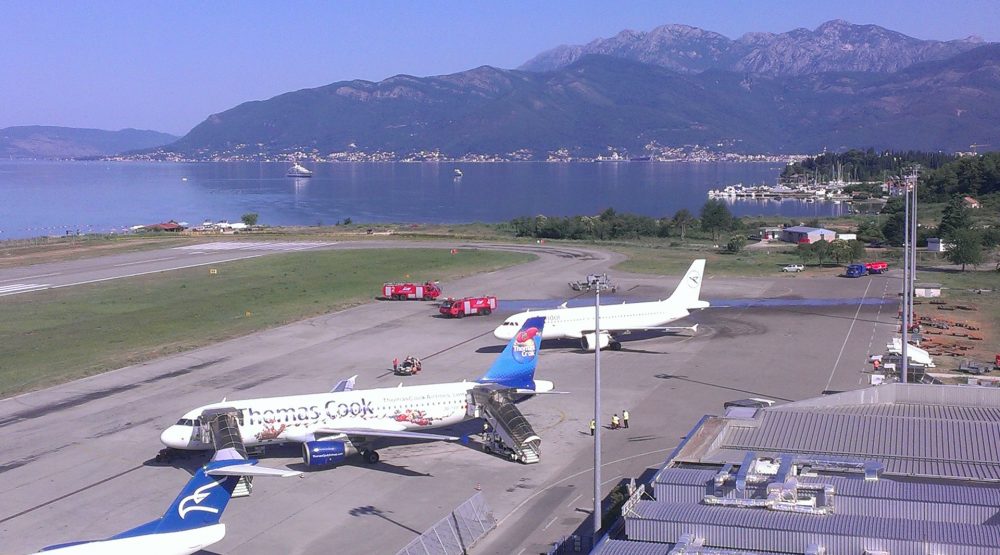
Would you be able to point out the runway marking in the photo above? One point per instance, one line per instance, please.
(144, 261)
(284, 246)
(574, 475)
(570, 504)
(158, 271)
(16, 288)
(848, 336)
(549, 524)
(25, 278)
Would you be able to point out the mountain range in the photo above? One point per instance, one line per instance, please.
(39, 141)
(834, 46)
(836, 87)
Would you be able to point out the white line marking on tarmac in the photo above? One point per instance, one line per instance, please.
(16, 288)
(570, 504)
(549, 524)
(161, 270)
(848, 336)
(144, 261)
(26, 278)
(574, 475)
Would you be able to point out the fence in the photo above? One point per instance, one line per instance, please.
(456, 533)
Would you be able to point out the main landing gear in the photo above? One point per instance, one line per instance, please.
(370, 456)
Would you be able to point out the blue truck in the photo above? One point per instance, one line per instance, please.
(856, 270)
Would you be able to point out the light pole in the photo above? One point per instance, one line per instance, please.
(597, 412)
(904, 366)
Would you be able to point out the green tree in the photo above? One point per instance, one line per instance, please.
(682, 220)
(716, 218)
(250, 218)
(736, 243)
(840, 250)
(821, 250)
(805, 252)
(954, 218)
(967, 248)
(858, 250)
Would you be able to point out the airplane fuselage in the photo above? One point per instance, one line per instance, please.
(561, 323)
(184, 542)
(296, 418)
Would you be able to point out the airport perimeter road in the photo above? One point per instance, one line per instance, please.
(74, 462)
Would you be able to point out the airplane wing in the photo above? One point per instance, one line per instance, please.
(385, 433)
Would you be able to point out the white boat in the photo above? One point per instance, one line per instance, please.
(457, 172)
(297, 170)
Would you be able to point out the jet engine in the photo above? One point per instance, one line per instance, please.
(320, 453)
(587, 342)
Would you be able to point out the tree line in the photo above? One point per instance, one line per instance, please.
(714, 221)
(865, 165)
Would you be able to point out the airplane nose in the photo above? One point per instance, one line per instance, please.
(174, 437)
(501, 332)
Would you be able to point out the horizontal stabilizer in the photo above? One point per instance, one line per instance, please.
(251, 470)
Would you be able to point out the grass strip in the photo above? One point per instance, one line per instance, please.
(53, 336)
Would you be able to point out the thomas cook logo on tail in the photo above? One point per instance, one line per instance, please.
(197, 497)
(524, 345)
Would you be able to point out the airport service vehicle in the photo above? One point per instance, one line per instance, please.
(459, 308)
(578, 323)
(856, 270)
(409, 367)
(332, 426)
(592, 282)
(192, 521)
(876, 267)
(793, 268)
(402, 291)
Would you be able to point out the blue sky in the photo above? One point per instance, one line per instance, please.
(167, 65)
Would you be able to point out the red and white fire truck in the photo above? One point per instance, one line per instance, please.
(402, 291)
(876, 267)
(459, 308)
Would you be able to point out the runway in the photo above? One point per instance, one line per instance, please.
(76, 462)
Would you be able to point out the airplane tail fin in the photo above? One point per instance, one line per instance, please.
(202, 500)
(515, 367)
(689, 289)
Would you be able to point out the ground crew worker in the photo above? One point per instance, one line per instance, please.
(615, 422)
(593, 426)
(395, 364)
(486, 427)
(625, 418)
(876, 363)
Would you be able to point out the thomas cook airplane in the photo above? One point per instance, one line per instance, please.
(331, 426)
(578, 322)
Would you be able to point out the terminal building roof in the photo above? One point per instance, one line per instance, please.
(896, 468)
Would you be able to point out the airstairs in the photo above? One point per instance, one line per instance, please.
(221, 428)
(509, 432)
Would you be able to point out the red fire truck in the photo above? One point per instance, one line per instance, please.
(459, 308)
(876, 267)
(403, 291)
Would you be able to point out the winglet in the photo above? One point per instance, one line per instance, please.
(345, 385)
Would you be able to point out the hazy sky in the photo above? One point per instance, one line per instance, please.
(167, 65)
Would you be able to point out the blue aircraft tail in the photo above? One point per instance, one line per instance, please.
(515, 367)
(199, 504)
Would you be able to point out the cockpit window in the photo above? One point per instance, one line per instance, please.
(186, 422)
